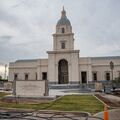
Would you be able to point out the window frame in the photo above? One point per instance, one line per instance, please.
(44, 75)
(62, 45)
(27, 76)
(15, 74)
(62, 30)
(94, 73)
(107, 75)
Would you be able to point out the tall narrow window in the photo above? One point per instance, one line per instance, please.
(94, 76)
(108, 76)
(63, 45)
(84, 76)
(26, 76)
(44, 75)
(15, 76)
(36, 76)
(63, 30)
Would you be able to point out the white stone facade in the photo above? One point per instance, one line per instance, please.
(64, 65)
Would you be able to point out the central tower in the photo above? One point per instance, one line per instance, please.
(63, 38)
(63, 61)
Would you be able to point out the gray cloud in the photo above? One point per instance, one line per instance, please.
(26, 27)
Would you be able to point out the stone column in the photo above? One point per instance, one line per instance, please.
(56, 72)
(69, 73)
(38, 70)
(89, 70)
(46, 88)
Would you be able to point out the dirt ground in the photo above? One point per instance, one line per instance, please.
(110, 102)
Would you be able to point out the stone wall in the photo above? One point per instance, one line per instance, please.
(31, 88)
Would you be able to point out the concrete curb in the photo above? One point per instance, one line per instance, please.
(108, 111)
(101, 101)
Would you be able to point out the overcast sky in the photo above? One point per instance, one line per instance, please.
(26, 27)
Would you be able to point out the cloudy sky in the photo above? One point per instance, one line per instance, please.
(26, 27)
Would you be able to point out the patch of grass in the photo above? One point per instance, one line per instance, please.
(87, 103)
(24, 106)
(2, 94)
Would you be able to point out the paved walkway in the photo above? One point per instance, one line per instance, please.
(45, 115)
(113, 114)
(54, 92)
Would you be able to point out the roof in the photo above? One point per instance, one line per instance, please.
(30, 60)
(64, 20)
(105, 57)
(27, 60)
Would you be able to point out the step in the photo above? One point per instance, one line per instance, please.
(64, 86)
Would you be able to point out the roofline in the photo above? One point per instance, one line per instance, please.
(29, 60)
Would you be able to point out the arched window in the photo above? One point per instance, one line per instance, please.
(63, 30)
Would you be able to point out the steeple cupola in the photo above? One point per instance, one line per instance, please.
(63, 24)
(63, 20)
(63, 37)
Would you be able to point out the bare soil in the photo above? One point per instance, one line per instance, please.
(110, 103)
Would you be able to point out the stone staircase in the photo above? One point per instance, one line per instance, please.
(64, 86)
(84, 88)
(80, 87)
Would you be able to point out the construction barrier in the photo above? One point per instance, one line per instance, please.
(106, 115)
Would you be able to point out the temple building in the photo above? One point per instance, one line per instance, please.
(64, 64)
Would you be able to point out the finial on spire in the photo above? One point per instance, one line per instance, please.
(63, 8)
(63, 12)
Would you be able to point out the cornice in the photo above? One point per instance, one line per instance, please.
(65, 34)
(63, 52)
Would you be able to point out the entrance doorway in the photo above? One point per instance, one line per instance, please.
(63, 72)
(84, 77)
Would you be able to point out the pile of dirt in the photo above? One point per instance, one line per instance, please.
(116, 92)
(109, 102)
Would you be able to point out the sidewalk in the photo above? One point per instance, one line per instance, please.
(113, 114)
(62, 92)
(111, 97)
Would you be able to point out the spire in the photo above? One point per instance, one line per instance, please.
(63, 8)
(63, 20)
(63, 13)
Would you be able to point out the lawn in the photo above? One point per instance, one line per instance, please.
(2, 94)
(87, 103)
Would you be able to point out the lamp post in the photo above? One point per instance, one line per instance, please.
(111, 67)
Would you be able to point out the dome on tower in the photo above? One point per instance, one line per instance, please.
(63, 20)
